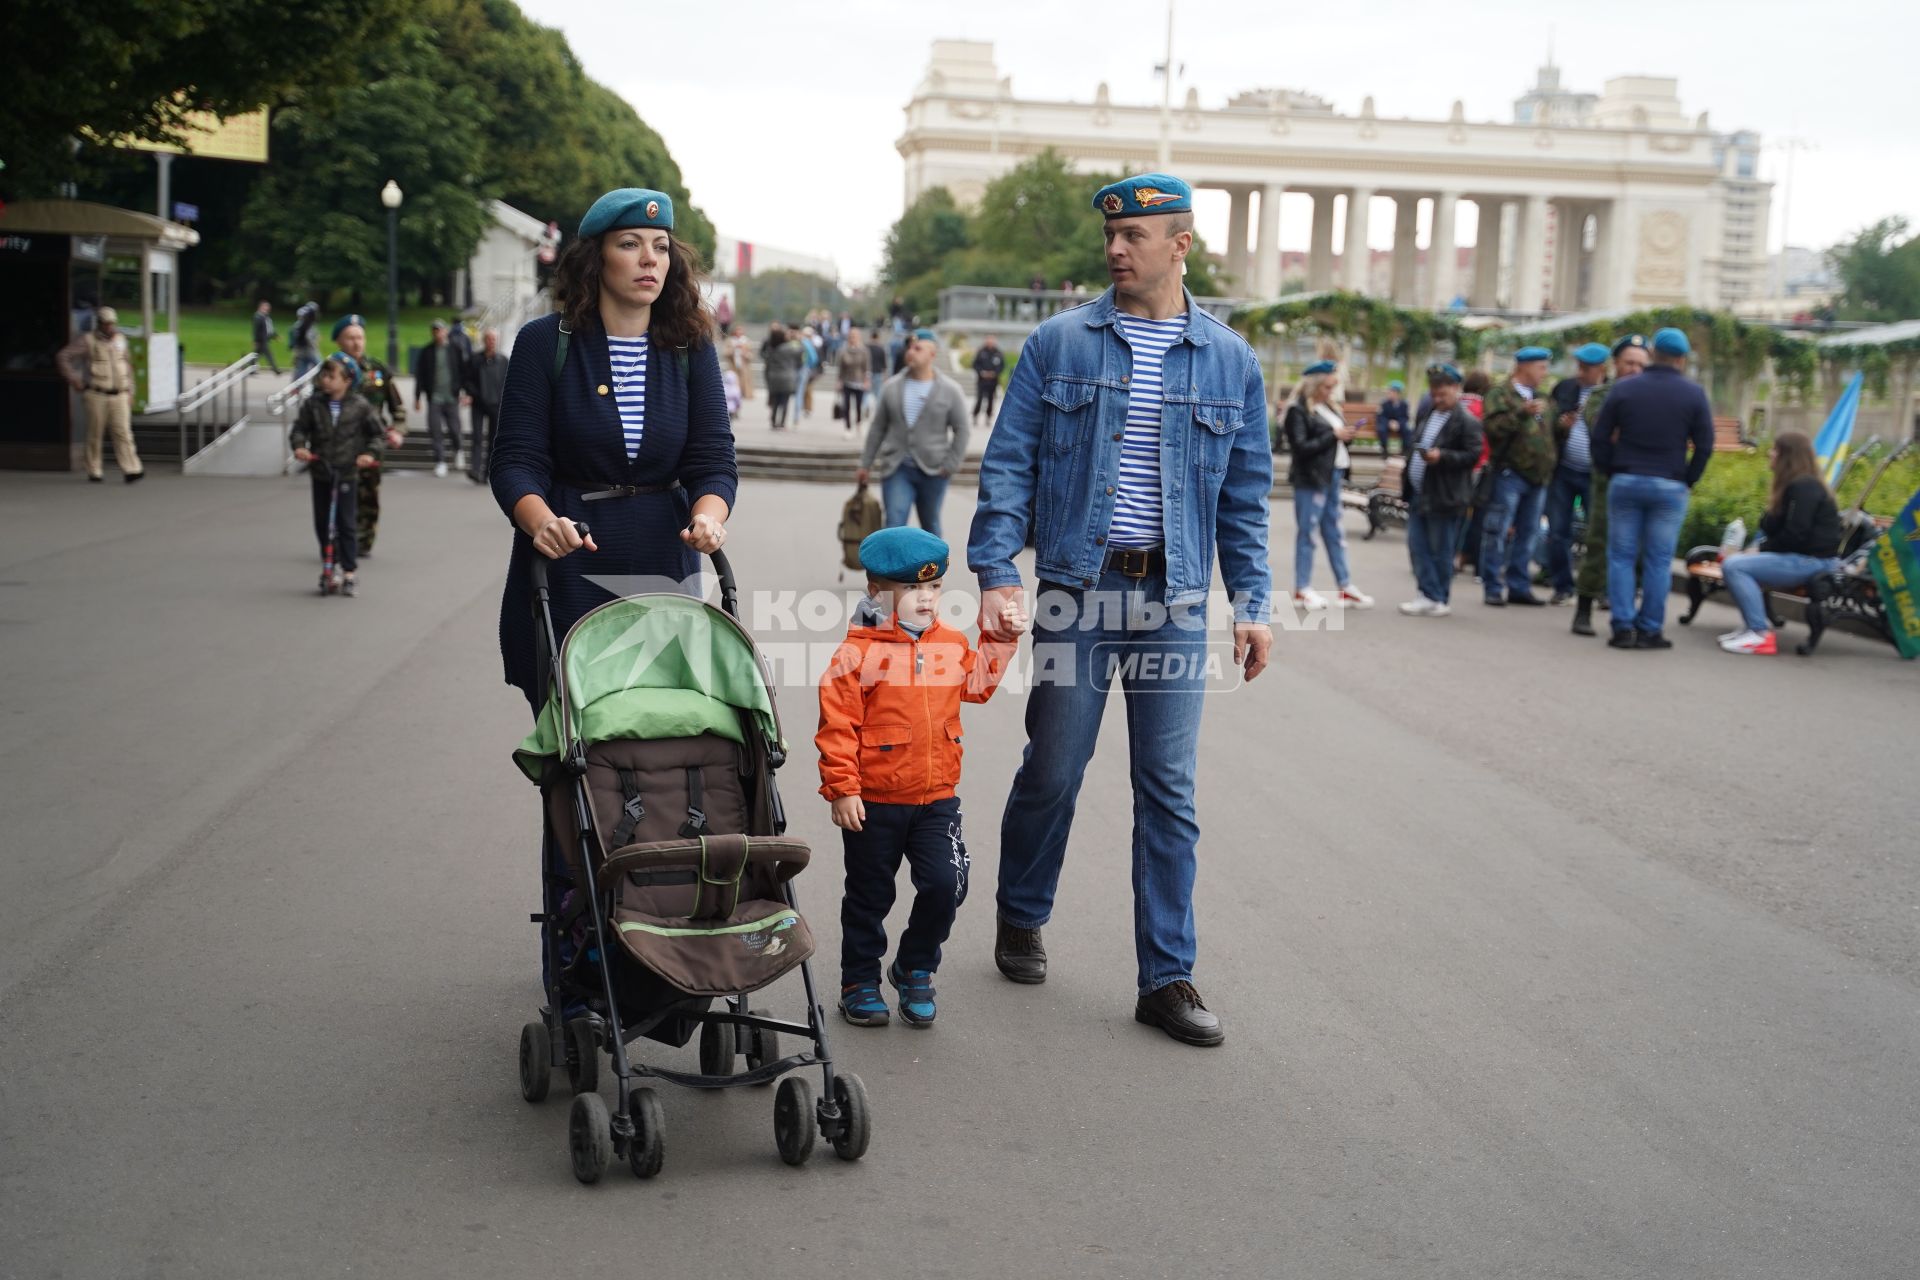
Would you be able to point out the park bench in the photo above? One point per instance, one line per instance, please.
(1849, 594)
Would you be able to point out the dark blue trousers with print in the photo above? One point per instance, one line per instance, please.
(929, 837)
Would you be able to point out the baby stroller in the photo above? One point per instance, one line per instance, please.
(655, 755)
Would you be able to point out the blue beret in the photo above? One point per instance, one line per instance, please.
(1317, 368)
(1591, 353)
(1397, 385)
(1144, 193)
(1444, 372)
(628, 207)
(927, 335)
(351, 365)
(903, 554)
(1526, 355)
(1672, 342)
(340, 325)
(1632, 341)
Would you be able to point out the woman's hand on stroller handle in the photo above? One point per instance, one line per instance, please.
(704, 533)
(561, 536)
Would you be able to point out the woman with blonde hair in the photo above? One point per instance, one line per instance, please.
(1801, 539)
(1317, 437)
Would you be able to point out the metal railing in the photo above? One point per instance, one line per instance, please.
(293, 394)
(208, 405)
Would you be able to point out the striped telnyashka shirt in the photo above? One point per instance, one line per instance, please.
(1136, 508)
(629, 357)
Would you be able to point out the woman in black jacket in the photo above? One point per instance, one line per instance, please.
(1801, 531)
(1438, 483)
(1317, 437)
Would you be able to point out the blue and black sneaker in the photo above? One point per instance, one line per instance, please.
(916, 994)
(861, 1004)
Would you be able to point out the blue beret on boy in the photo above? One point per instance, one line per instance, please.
(628, 207)
(1317, 368)
(1142, 194)
(1527, 355)
(1632, 341)
(344, 322)
(1591, 353)
(1672, 342)
(351, 365)
(903, 554)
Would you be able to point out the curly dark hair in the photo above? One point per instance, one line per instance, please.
(680, 314)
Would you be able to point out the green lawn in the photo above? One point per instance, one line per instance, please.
(223, 333)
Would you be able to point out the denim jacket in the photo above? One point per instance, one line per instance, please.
(1053, 461)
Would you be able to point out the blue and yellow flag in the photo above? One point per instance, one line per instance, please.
(1835, 440)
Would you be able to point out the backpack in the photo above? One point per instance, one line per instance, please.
(859, 517)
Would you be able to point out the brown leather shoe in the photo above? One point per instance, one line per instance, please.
(1177, 1010)
(1019, 954)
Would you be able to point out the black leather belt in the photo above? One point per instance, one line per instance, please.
(1135, 562)
(625, 490)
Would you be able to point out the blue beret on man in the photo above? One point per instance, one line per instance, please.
(1394, 384)
(903, 554)
(628, 207)
(1591, 353)
(1632, 342)
(1317, 368)
(346, 322)
(926, 335)
(1142, 194)
(1444, 372)
(1671, 342)
(1527, 355)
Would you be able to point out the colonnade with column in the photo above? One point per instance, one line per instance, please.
(1532, 252)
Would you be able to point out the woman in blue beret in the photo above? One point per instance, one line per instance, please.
(1317, 434)
(613, 414)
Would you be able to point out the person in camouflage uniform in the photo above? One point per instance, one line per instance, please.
(1629, 358)
(1522, 461)
(376, 387)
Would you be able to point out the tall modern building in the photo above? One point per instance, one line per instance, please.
(1583, 200)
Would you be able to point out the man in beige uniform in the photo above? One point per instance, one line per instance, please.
(98, 364)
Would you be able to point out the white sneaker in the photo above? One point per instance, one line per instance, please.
(1309, 599)
(1753, 643)
(1352, 597)
(1734, 634)
(1439, 610)
(440, 469)
(1417, 608)
(460, 460)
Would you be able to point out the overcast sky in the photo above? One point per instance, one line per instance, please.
(783, 117)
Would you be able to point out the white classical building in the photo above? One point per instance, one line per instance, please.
(1592, 201)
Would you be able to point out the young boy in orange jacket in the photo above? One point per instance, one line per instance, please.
(889, 745)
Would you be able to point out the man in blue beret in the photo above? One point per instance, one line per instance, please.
(1514, 484)
(1653, 437)
(377, 387)
(1573, 474)
(1438, 485)
(918, 437)
(1131, 444)
(1394, 419)
(1590, 581)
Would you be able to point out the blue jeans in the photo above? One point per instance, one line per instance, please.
(1161, 673)
(1318, 509)
(1567, 485)
(1506, 539)
(910, 487)
(1430, 544)
(1643, 526)
(1749, 575)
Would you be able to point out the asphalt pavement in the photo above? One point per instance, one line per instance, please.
(1536, 959)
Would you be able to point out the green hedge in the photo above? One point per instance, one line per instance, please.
(1736, 485)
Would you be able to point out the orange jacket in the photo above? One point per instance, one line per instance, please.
(890, 711)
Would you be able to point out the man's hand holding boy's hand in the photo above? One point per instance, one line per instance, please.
(1013, 617)
(849, 813)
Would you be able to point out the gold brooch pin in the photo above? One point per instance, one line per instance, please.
(603, 388)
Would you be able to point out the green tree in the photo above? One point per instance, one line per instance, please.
(1880, 272)
(784, 295)
(931, 228)
(79, 68)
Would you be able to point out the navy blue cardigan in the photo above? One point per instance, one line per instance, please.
(561, 441)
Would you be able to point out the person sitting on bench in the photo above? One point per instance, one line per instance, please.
(1802, 534)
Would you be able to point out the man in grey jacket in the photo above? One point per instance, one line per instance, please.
(918, 438)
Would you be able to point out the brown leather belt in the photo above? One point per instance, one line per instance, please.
(1135, 562)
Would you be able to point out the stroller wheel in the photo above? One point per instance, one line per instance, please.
(589, 1137)
(856, 1125)
(648, 1149)
(793, 1120)
(583, 1056)
(716, 1049)
(536, 1061)
(762, 1047)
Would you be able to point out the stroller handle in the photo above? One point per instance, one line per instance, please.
(722, 568)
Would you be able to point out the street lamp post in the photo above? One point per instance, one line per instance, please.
(390, 196)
